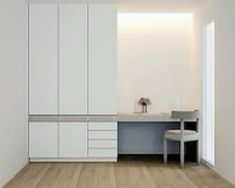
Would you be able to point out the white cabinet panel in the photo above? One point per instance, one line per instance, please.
(103, 135)
(103, 126)
(43, 140)
(73, 59)
(43, 59)
(102, 59)
(73, 140)
(103, 153)
(103, 144)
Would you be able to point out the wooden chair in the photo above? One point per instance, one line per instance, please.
(183, 135)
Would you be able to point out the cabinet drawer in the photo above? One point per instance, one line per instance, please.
(102, 152)
(103, 135)
(102, 143)
(103, 126)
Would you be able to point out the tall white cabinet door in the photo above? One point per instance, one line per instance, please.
(43, 140)
(43, 59)
(73, 59)
(102, 59)
(73, 140)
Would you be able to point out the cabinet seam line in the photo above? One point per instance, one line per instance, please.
(58, 79)
(88, 102)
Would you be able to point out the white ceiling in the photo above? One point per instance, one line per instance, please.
(158, 5)
(141, 5)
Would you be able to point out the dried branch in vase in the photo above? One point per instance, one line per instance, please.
(144, 102)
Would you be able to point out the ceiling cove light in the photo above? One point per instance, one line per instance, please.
(149, 17)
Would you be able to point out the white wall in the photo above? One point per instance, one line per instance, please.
(223, 12)
(13, 93)
(202, 16)
(225, 88)
(155, 61)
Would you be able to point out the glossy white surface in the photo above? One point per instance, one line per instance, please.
(43, 140)
(102, 126)
(102, 135)
(102, 59)
(102, 144)
(102, 153)
(102, 139)
(43, 59)
(73, 59)
(72, 140)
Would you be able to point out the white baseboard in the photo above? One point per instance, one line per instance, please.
(73, 160)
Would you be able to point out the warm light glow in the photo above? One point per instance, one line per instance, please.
(148, 17)
(154, 53)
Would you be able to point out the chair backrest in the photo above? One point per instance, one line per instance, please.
(185, 115)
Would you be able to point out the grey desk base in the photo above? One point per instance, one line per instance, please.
(145, 137)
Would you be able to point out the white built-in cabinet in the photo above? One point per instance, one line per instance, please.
(102, 59)
(73, 59)
(57, 140)
(72, 71)
(43, 59)
(102, 139)
(72, 140)
(43, 140)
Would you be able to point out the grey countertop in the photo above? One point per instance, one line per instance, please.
(120, 117)
(148, 117)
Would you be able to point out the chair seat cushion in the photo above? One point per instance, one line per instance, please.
(179, 132)
(188, 135)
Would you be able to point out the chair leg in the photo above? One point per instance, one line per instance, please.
(165, 150)
(182, 154)
(198, 153)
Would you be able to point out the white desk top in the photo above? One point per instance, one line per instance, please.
(148, 117)
(121, 117)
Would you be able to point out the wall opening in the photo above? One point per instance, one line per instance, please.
(209, 94)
